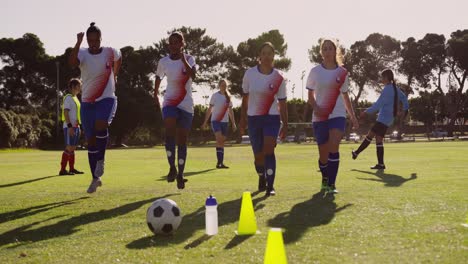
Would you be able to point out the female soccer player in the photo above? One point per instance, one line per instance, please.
(220, 108)
(328, 95)
(177, 108)
(99, 69)
(387, 105)
(71, 127)
(263, 107)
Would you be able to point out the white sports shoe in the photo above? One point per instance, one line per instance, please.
(95, 183)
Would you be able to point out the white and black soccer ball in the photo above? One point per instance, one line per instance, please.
(163, 216)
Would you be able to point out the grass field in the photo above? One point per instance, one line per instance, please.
(412, 213)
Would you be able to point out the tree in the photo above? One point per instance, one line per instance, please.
(366, 59)
(458, 63)
(247, 56)
(24, 79)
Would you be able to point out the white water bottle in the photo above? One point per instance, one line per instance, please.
(211, 216)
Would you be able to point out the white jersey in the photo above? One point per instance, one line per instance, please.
(97, 74)
(70, 105)
(179, 83)
(220, 107)
(328, 86)
(264, 91)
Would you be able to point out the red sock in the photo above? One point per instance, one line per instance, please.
(65, 158)
(71, 160)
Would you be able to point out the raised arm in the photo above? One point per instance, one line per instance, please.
(73, 60)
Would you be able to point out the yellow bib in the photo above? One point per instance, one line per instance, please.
(78, 106)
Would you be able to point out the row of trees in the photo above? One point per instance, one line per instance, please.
(432, 67)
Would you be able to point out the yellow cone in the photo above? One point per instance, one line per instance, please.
(247, 221)
(275, 253)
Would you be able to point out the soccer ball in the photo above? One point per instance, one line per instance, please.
(163, 217)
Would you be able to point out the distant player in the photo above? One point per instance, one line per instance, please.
(99, 68)
(71, 127)
(177, 111)
(220, 109)
(387, 105)
(264, 107)
(328, 95)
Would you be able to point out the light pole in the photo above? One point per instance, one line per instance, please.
(57, 64)
(302, 79)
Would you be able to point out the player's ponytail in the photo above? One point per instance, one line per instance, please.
(227, 94)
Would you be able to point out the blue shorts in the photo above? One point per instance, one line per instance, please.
(219, 127)
(71, 141)
(261, 127)
(322, 128)
(100, 110)
(183, 118)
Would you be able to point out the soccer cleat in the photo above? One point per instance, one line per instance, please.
(324, 186)
(332, 189)
(378, 167)
(65, 172)
(180, 182)
(172, 174)
(99, 170)
(270, 192)
(221, 166)
(354, 154)
(262, 184)
(75, 171)
(95, 183)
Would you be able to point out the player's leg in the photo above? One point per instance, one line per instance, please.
(380, 153)
(321, 137)
(105, 112)
(88, 119)
(364, 144)
(169, 117)
(220, 137)
(65, 153)
(380, 131)
(184, 124)
(71, 149)
(270, 134)
(255, 129)
(336, 132)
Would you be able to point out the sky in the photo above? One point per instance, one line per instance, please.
(302, 22)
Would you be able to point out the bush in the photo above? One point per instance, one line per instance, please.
(23, 130)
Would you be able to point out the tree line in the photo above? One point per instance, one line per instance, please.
(432, 68)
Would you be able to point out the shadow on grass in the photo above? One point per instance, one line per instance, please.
(24, 235)
(187, 174)
(228, 213)
(316, 211)
(390, 180)
(28, 181)
(21, 213)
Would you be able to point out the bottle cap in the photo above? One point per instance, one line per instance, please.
(211, 201)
